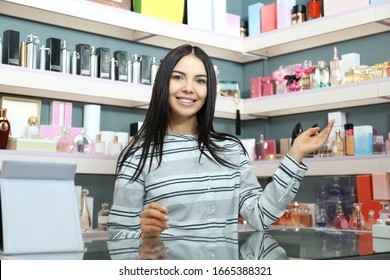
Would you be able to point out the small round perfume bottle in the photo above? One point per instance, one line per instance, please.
(82, 142)
(65, 141)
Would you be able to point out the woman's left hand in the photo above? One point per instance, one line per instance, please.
(310, 141)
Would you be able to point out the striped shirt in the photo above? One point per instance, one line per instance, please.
(200, 194)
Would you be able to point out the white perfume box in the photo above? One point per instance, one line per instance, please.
(233, 25)
(334, 7)
(38, 206)
(219, 16)
(339, 117)
(381, 186)
(199, 14)
(283, 9)
(381, 231)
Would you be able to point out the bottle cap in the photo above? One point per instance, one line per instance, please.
(299, 9)
(348, 126)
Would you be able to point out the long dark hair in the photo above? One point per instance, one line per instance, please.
(150, 137)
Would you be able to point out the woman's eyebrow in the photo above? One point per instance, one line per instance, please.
(184, 74)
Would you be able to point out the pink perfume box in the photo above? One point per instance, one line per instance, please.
(268, 17)
(256, 87)
(51, 131)
(268, 86)
(61, 113)
(381, 186)
(233, 25)
(335, 6)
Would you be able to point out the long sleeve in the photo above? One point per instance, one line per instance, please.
(261, 207)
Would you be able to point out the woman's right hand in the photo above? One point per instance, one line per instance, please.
(154, 220)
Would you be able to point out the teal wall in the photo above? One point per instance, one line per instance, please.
(373, 49)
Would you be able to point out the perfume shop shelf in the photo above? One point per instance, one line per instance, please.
(55, 85)
(86, 163)
(117, 23)
(353, 165)
(105, 165)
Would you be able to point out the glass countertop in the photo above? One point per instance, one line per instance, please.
(276, 243)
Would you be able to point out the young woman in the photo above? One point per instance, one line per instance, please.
(180, 174)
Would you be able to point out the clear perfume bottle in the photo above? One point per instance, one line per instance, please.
(370, 220)
(340, 221)
(322, 219)
(384, 214)
(378, 145)
(115, 147)
(32, 128)
(99, 147)
(82, 142)
(357, 221)
(335, 70)
(103, 217)
(305, 78)
(64, 141)
(322, 74)
(338, 145)
(85, 215)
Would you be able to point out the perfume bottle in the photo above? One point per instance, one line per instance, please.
(384, 214)
(32, 51)
(65, 141)
(136, 71)
(378, 145)
(306, 72)
(115, 147)
(82, 142)
(388, 144)
(322, 219)
(335, 70)
(306, 218)
(296, 132)
(32, 128)
(5, 128)
(340, 221)
(85, 215)
(322, 75)
(338, 145)
(349, 140)
(326, 150)
(260, 150)
(99, 147)
(357, 221)
(295, 215)
(370, 220)
(103, 217)
(313, 9)
(153, 70)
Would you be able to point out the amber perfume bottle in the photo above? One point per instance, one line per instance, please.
(357, 221)
(85, 215)
(313, 9)
(5, 128)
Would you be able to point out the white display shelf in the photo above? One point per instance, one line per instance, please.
(331, 166)
(86, 164)
(55, 85)
(105, 165)
(117, 23)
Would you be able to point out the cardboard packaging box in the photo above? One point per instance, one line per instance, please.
(170, 10)
(268, 17)
(254, 21)
(334, 6)
(381, 186)
(26, 144)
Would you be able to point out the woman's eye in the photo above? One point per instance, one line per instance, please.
(201, 81)
(177, 77)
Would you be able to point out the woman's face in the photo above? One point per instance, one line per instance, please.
(187, 88)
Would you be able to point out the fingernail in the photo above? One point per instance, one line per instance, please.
(166, 218)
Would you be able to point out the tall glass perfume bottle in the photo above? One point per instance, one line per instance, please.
(260, 150)
(370, 220)
(338, 145)
(357, 221)
(82, 142)
(85, 215)
(65, 141)
(115, 147)
(5, 128)
(103, 217)
(349, 140)
(322, 74)
(335, 70)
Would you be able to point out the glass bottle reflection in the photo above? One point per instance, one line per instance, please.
(370, 220)
(322, 219)
(340, 221)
